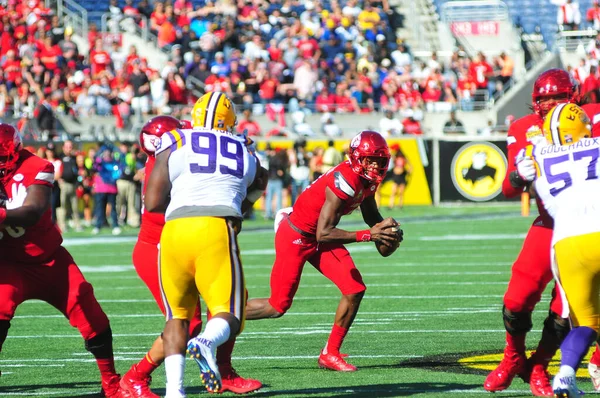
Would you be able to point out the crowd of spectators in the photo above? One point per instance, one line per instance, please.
(343, 57)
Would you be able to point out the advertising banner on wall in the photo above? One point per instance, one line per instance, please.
(472, 171)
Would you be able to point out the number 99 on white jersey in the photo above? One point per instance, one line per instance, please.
(210, 172)
(569, 186)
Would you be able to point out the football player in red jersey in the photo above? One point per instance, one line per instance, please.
(310, 233)
(35, 265)
(145, 260)
(531, 272)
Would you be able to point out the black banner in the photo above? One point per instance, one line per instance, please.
(470, 171)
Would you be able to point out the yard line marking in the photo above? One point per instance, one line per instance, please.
(451, 296)
(275, 334)
(109, 269)
(448, 311)
(490, 237)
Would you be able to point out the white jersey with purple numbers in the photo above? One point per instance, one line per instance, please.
(569, 186)
(210, 172)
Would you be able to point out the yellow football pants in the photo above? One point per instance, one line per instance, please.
(200, 255)
(578, 262)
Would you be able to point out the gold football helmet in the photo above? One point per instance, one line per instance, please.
(214, 111)
(566, 124)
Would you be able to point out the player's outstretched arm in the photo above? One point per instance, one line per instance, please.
(36, 202)
(159, 184)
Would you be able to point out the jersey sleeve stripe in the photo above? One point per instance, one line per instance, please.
(48, 177)
(342, 184)
(179, 138)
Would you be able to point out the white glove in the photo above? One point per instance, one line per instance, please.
(280, 216)
(526, 168)
(19, 193)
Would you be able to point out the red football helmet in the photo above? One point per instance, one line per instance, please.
(369, 155)
(155, 128)
(554, 84)
(10, 145)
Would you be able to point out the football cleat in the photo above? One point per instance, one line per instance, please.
(539, 382)
(594, 371)
(201, 350)
(565, 387)
(231, 381)
(500, 378)
(136, 386)
(335, 362)
(111, 388)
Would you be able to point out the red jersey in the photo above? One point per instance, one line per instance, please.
(343, 182)
(152, 223)
(37, 243)
(593, 112)
(524, 131)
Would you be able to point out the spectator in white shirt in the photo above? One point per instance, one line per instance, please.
(390, 125)
(569, 15)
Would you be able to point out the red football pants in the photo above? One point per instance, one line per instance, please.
(293, 250)
(60, 284)
(145, 261)
(532, 271)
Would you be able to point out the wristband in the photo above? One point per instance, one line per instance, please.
(363, 236)
(2, 215)
(516, 180)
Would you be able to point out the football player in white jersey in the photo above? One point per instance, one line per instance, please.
(568, 184)
(212, 177)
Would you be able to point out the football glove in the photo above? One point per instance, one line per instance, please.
(525, 167)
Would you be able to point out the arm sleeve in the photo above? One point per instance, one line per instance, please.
(45, 176)
(513, 150)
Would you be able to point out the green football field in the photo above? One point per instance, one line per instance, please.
(430, 323)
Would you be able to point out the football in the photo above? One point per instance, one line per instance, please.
(385, 250)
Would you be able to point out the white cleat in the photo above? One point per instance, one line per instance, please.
(565, 386)
(203, 352)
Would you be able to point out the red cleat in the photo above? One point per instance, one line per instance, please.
(112, 389)
(136, 386)
(231, 381)
(539, 382)
(335, 362)
(500, 378)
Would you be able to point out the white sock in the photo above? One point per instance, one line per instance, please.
(562, 378)
(217, 330)
(174, 368)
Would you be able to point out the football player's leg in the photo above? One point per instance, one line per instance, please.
(13, 291)
(531, 273)
(136, 380)
(220, 281)
(292, 250)
(230, 379)
(179, 247)
(578, 263)
(337, 265)
(72, 295)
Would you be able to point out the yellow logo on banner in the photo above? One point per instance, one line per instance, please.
(478, 170)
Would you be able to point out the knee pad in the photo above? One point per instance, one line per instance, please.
(100, 345)
(556, 326)
(516, 323)
(4, 326)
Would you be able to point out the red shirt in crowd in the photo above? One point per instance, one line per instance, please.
(250, 127)
(100, 61)
(479, 72)
(411, 126)
(325, 103)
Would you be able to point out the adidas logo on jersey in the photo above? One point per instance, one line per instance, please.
(298, 241)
